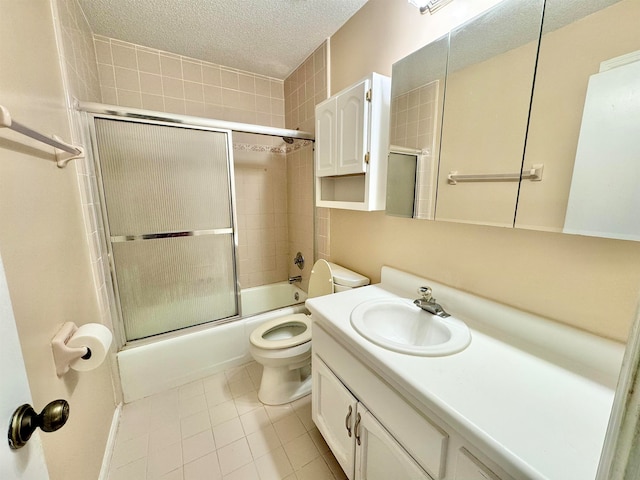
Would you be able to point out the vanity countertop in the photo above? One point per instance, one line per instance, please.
(536, 418)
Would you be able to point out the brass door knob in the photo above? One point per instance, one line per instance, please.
(25, 420)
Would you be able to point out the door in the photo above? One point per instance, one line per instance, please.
(353, 129)
(27, 463)
(169, 218)
(333, 411)
(326, 138)
(469, 467)
(379, 456)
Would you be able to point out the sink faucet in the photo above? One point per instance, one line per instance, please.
(297, 278)
(428, 303)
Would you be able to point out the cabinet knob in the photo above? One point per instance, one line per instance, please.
(25, 420)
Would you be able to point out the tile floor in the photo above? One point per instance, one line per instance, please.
(216, 428)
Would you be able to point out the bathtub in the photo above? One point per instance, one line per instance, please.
(196, 353)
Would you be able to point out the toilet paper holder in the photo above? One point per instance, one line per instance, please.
(63, 355)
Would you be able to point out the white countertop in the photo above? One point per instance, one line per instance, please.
(535, 418)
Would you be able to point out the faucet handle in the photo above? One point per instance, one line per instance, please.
(425, 292)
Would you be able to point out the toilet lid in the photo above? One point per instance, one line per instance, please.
(321, 279)
(282, 337)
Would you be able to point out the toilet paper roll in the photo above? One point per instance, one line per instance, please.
(97, 338)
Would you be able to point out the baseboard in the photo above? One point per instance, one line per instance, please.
(111, 442)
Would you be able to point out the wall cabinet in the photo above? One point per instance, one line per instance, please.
(362, 446)
(531, 109)
(352, 139)
(375, 433)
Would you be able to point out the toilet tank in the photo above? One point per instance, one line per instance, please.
(345, 279)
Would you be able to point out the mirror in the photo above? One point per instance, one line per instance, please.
(483, 123)
(585, 122)
(417, 93)
(490, 74)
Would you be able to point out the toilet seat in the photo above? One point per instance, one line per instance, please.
(299, 319)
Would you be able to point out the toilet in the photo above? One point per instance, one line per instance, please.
(283, 345)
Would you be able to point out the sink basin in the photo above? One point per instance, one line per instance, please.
(398, 325)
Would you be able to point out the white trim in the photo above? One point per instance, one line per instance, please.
(622, 443)
(111, 443)
(620, 61)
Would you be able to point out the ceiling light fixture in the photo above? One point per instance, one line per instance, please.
(430, 6)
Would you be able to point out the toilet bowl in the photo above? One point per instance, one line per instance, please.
(283, 345)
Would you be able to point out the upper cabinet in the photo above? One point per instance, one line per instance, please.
(538, 119)
(352, 137)
(490, 72)
(585, 122)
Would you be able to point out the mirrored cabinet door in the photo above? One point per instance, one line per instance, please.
(417, 99)
(489, 83)
(585, 122)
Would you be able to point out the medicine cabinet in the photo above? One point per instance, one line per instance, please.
(352, 138)
(534, 118)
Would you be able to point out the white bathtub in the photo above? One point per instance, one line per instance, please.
(190, 355)
(270, 297)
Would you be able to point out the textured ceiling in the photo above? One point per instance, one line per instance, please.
(269, 37)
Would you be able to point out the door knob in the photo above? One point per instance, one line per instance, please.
(25, 420)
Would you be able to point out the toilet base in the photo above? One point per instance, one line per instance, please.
(280, 385)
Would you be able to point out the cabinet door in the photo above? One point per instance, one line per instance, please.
(469, 467)
(378, 455)
(326, 138)
(333, 411)
(353, 129)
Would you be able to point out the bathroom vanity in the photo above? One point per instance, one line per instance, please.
(527, 399)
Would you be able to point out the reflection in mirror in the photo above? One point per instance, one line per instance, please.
(490, 75)
(417, 89)
(401, 184)
(586, 110)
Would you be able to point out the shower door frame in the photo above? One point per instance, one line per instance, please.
(166, 120)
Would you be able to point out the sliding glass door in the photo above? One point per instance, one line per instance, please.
(169, 218)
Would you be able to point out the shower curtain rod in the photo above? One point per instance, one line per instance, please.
(55, 142)
(101, 108)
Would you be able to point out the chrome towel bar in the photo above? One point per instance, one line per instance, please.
(61, 160)
(534, 174)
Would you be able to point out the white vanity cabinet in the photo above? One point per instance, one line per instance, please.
(362, 446)
(352, 140)
(374, 433)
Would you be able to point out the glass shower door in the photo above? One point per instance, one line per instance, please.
(169, 216)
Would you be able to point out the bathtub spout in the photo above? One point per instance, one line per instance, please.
(297, 278)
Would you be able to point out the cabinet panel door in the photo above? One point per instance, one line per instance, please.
(325, 147)
(469, 467)
(379, 456)
(353, 129)
(333, 411)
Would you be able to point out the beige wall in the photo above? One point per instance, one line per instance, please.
(590, 283)
(42, 240)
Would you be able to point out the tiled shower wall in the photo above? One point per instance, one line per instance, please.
(126, 74)
(303, 90)
(80, 72)
(261, 207)
(136, 76)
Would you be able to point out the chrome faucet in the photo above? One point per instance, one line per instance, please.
(428, 303)
(297, 278)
